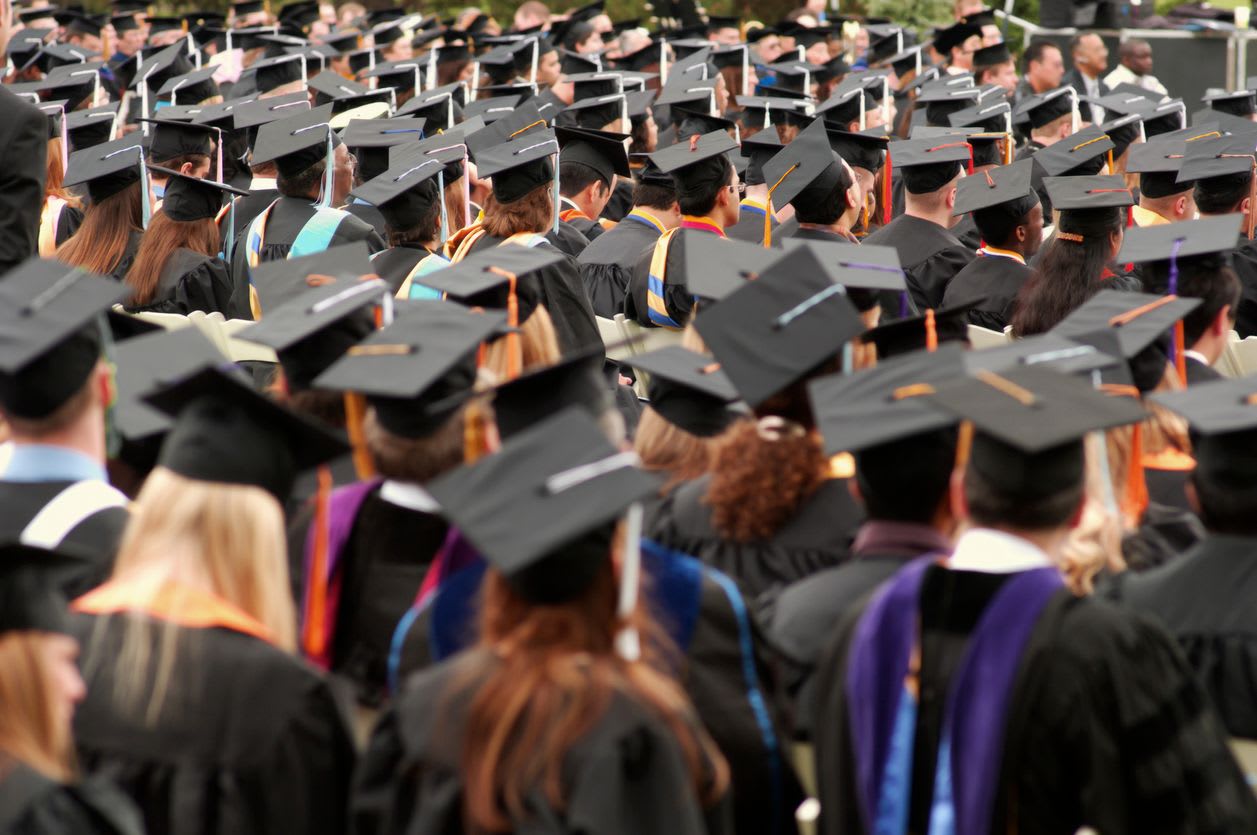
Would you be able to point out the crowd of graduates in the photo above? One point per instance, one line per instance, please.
(561, 425)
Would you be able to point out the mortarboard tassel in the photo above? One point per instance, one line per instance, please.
(1178, 348)
(355, 414)
(887, 176)
(314, 632)
(514, 343)
(931, 330)
(768, 207)
(627, 640)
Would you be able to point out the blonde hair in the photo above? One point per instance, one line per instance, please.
(539, 341)
(664, 446)
(31, 729)
(225, 539)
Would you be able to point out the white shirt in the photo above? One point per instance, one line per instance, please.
(409, 496)
(996, 552)
(1198, 357)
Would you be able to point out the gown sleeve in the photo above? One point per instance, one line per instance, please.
(928, 280)
(89, 808)
(568, 305)
(71, 219)
(208, 287)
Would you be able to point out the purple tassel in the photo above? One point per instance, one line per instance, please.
(903, 304)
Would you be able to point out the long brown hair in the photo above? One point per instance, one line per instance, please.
(55, 175)
(454, 211)
(534, 212)
(31, 730)
(160, 241)
(665, 447)
(101, 242)
(557, 674)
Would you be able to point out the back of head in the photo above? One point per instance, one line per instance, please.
(1222, 195)
(701, 198)
(1014, 490)
(907, 480)
(1226, 497)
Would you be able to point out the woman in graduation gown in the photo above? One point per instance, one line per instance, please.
(177, 268)
(63, 212)
(39, 687)
(113, 223)
(197, 707)
(558, 719)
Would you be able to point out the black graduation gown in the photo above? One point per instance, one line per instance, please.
(24, 138)
(93, 541)
(191, 281)
(728, 669)
(625, 776)
(568, 239)
(591, 229)
(1198, 372)
(284, 224)
(606, 265)
(395, 263)
(750, 227)
(69, 223)
(1244, 260)
(32, 804)
(128, 256)
(1106, 726)
(1036, 174)
(564, 298)
(621, 202)
(818, 537)
(967, 232)
(930, 255)
(251, 206)
(1205, 601)
(251, 740)
(372, 215)
(676, 295)
(389, 551)
(995, 281)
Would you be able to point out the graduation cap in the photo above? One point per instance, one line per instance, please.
(930, 164)
(994, 117)
(955, 35)
(1082, 153)
(1157, 164)
(439, 106)
(72, 89)
(271, 109)
(492, 109)
(29, 16)
(1097, 192)
(371, 139)
(688, 390)
(597, 112)
(162, 23)
(519, 165)
(541, 509)
(992, 56)
(1050, 350)
(76, 23)
(418, 370)
(758, 149)
(796, 75)
(715, 267)
(484, 279)
(30, 600)
(1237, 103)
(295, 143)
(329, 86)
(1029, 424)
(191, 198)
(1044, 108)
(278, 282)
(773, 331)
(942, 101)
(406, 191)
(1222, 157)
(807, 167)
(91, 127)
(1174, 241)
(1139, 318)
(404, 76)
(653, 53)
(272, 73)
(600, 151)
(156, 69)
(170, 139)
(885, 403)
(106, 168)
(343, 42)
(533, 397)
(1009, 188)
(1221, 415)
(193, 87)
(915, 333)
(698, 161)
(227, 432)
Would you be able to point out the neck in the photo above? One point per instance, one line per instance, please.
(85, 436)
(702, 220)
(1210, 347)
(758, 193)
(1050, 542)
(668, 220)
(1163, 207)
(1088, 73)
(838, 227)
(1015, 246)
(939, 215)
(1044, 139)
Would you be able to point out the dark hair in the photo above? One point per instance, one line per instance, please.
(701, 199)
(1221, 195)
(575, 177)
(1225, 508)
(577, 34)
(303, 184)
(651, 196)
(1034, 52)
(1216, 285)
(998, 223)
(160, 241)
(992, 506)
(426, 229)
(177, 162)
(824, 206)
(637, 137)
(907, 480)
(1069, 271)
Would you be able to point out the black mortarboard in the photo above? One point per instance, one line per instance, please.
(492, 109)
(417, 370)
(715, 267)
(806, 166)
(296, 142)
(248, 7)
(597, 112)
(191, 198)
(91, 127)
(860, 150)
(1045, 108)
(903, 336)
(735, 55)
(992, 56)
(30, 599)
(533, 397)
(688, 390)
(1157, 164)
(1208, 158)
(647, 56)
(519, 165)
(1174, 241)
(955, 35)
(169, 139)
(275, 72)
(1030, 423)
(1223, 417)
(370, 140)
(79, 24)
(885, 403)
(263, 111)
(278, 282)
(1124, 131)
(1140, 318)
(1098, 192)
(929, 164)
(571, 63)
(106, 168)
(406, 190)
(72, 88)
(1237, 103)
(227, 432)
(942, 101)
(1050, 350)
(162, 23)
(124, 22)
(796, 75)
(1009, 185)
(697, 161)
(483, 278)
(994, 116)
(49, 342)
(863, 270)
(191, 87)
(698, 93)
(439, 106)
(343, 42)
(771, 332)
(361, 59)
(696, 122)
(329, 86)
(404, 76)
(758, 149)
(1082, 153)
(185, 113)
(28, 16)
(600, 151)
(541, 509)
(171, 61)
(590, 85)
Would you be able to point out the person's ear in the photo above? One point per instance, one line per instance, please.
(1246, 205)
(1221, 323)
(186, 169)
(853, 196)
(1020, 233)
(951, 197)
(1180, 205)
(106, 388)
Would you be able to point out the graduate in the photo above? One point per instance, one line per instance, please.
(247, 118)
(107, 240)
(606, 265)
(178, 267)
(707, 191)
(63, 211)
(1063, 678)
(821, 187)
(756, 149)
(39, 792)
(931, 256)
(1006, 211)
(1162, 199)
(589, 164)
(54, 393)
(215, 607)
(369, 140)
(562, 623)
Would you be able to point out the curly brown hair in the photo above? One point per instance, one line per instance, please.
(534, 212)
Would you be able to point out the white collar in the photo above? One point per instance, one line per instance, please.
(409, 496)
(567, 201)
(995, 552)
(262, 184)
(1197, 356)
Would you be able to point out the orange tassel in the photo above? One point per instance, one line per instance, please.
(931, 330)
(1180, 352)
(314, 636)
(355, 414)
(888, 173)
(514, 344)
(1135, 496)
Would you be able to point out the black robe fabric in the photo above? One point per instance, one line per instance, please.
(994, 282)
(251, 740)
(286, 221)
(728, 671)
(71, 220)
(676, 296)
(591, 229)
(568, 239)
(250, 207)
(564, 298)
(1205, 601)
(621, 202)
(373, 216)
(389, 551)
(93, 541)
(1036, 174)
(819, 536)
(606, 265)
(1107, 727)
(128, 256)
(1198, 372)
(930, 255)
(190, 281)
(625, 776)
(750, 227)
(967, 232)
(395, 263)
(24, 138)
(1244, 260)
(32, 804)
